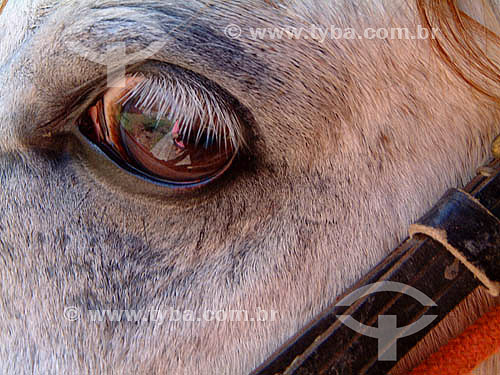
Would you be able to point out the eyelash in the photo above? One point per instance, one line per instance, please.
(185, 103)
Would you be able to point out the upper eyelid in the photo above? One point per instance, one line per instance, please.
(189, 82)
(221, 102)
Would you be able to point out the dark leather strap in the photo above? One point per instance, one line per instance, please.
(469, 231)
(464, 235)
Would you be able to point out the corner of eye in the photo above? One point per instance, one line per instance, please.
(121, 87)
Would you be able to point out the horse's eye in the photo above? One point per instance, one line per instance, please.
(174, 133)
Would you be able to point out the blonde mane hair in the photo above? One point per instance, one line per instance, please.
(471, 48)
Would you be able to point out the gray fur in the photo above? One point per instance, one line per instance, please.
(350, 141)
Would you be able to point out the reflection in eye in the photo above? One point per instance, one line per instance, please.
(179, 133)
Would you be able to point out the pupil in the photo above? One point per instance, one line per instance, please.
(168, 150)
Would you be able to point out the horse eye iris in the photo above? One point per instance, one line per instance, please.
(168, 148)
(158, 145)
